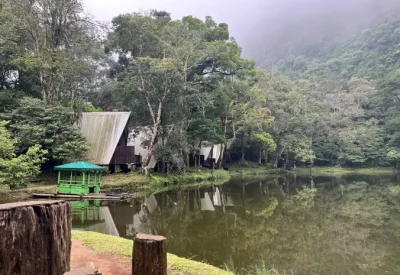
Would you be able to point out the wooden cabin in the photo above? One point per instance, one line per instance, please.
(107, 135)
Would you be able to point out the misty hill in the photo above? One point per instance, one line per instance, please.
(372, 54)
(354, 87)
(311, 27)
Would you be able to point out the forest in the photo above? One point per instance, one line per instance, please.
(333, 103)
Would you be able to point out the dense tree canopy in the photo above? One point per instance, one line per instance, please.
(14, 170)
(350, 94)
(182, 76)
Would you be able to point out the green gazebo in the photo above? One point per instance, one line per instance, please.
(79, 178)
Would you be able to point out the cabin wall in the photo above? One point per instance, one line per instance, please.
(123, 155)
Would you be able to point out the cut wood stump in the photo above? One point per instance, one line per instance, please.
(35, 237)
(149, 255)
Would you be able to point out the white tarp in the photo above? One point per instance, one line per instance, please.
(137, 139)
(108, 226)
(217, 197)
(206, 203)
(206, 152)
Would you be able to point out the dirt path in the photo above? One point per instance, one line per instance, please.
(107, 264)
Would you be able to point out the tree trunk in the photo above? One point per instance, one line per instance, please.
(154, 136)
(278, 156)
(149, 255)
(35, 237)
(287, 158)
(212, 162)
(163, 158)
(259, 156)
(276, 160)
(198, 157)
(242, 145)
(225, 156)
(266, 154)
(221, 155)
(187, 160)
(223, 146)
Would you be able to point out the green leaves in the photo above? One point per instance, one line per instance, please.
(303, 151)
(52, 127)
(15, 170)
(51, 46)
(264, 140)
(394, 156)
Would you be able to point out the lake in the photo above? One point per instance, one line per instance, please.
(299, 225)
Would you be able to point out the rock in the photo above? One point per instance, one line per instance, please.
(90, 269)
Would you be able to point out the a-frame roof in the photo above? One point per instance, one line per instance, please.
(102, 130)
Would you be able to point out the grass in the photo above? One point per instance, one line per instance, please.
(31, 188)
(335, 171)
(131, 180)
(248, 168)
(156, 182)
(258, 269)
(262, 270)
(122, 247)
(189, 177)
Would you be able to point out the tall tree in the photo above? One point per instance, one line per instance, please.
(173, 72)
(54, 43)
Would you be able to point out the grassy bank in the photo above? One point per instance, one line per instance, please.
(335, 172)
(246, 168)
(156, 182)
(31, 188)
(130, 182)
(122, 247)
(255, 169)
(189, 177)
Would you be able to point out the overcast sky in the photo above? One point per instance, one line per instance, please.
(259, 23)
(236, 13)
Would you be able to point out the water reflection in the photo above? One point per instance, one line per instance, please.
(326, 225)
(92, 216)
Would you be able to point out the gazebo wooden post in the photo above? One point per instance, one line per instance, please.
(149, 255)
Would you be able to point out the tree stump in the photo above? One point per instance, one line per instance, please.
(35, 238)
(149, 255)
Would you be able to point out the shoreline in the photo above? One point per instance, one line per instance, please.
(156, 183)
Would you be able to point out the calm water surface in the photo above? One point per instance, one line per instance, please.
(348, 225)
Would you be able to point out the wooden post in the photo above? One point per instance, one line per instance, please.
(35, 237)
(149, 255)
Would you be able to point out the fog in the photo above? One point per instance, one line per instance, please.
(263, 27)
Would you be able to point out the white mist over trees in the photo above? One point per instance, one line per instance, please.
(268, 28)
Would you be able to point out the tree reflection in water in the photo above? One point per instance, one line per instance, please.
(299, 225)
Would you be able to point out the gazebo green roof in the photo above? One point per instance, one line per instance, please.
(79, 166)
